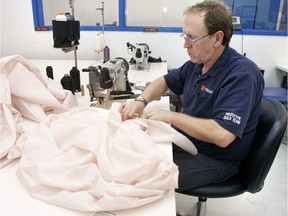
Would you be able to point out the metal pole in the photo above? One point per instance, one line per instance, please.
(103, 18)
(75, 56)
(71, 5)
(281, 6)
(102, 14)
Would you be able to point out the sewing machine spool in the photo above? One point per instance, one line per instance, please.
(49, 72)
(67, 83)
(75, 75)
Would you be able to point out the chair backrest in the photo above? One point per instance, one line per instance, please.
(270, 131)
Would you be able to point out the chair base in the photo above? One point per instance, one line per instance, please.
(201, 206)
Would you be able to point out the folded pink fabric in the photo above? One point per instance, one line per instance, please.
(26, 92)
(87, 159)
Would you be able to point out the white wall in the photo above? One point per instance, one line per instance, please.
(18, 37)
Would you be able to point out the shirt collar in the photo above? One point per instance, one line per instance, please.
(214, 70)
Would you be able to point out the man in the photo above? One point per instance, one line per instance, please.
(221, 91)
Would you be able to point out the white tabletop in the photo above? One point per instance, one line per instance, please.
(282, 67)
(15, 200)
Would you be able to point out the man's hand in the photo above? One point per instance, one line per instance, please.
(131, 110)
(159, 115)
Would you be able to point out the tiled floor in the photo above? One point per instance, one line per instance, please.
(271, 200)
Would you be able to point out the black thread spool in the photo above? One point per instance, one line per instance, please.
(49, 72)
(106, 54)
(75, 75)
(67, 83)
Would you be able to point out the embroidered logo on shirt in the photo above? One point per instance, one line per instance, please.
(232, 117)
(204, 88)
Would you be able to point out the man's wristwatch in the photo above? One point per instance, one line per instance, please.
(142, 99)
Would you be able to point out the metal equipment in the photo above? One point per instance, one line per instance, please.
(109, 81)
(140, 53)
(66, 35)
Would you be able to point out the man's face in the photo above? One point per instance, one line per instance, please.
(201, 50)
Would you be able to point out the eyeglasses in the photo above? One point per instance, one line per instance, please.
(192, 41)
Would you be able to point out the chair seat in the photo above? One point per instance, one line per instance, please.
(231, 187)
(276, 93)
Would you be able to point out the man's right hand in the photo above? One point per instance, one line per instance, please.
(131, 110)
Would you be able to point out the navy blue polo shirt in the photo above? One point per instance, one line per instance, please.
(230, 93)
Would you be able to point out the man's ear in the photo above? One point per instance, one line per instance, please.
(219, 35)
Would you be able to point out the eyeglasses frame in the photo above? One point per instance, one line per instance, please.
(191, 40)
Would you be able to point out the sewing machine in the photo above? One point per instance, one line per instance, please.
(109, 81)
(140, 53)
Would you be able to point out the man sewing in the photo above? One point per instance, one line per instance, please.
(221, 91)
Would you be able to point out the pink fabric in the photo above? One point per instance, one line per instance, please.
(26, 92)
(87, 159)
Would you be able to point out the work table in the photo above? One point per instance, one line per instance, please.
(17, 201)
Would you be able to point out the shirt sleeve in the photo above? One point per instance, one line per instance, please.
(236, 98)
(175, 79)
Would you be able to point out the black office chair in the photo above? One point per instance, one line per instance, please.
(254, 169)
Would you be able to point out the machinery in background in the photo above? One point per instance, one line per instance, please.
(140, 53)
(66, 32)
(236, 23)
(109, 81)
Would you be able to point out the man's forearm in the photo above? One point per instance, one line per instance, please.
(207, 130)
(155, 89)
